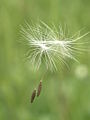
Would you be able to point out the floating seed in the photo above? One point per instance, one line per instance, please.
(39, 88)
(33, 95)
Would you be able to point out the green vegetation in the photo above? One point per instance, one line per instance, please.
(65, 94)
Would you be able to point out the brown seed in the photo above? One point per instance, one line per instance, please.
(39, 88)
(33, 95)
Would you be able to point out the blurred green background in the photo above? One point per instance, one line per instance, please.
(66, 93)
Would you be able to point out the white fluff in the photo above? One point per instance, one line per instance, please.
(49, 45)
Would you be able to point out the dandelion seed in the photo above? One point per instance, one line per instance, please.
(33, 95)
(39, 88)
(48, 45)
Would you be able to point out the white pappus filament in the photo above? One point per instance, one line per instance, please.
(50, 46)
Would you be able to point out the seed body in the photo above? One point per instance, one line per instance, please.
(39, 88)
(33, 95)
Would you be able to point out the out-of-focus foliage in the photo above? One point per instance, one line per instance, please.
(66, 93)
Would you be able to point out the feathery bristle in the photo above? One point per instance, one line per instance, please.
(50, 45)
